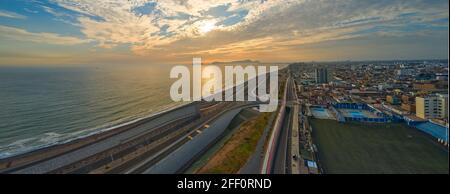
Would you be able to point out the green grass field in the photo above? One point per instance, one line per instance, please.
(376, 148)
(243, 142)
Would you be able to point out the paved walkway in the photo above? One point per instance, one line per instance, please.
(253, 165)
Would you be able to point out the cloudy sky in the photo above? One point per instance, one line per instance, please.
(58, 32)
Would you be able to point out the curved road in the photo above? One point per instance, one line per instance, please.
(178, 159)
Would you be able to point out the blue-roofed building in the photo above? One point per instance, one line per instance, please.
(435, 130)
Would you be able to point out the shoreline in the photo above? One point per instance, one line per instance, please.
(30, 157)
(27, 158)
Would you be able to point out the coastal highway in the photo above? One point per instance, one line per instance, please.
(180, 159)
(156, 134)
(277, 157)
(281, 163)
(281, 157)
(146, 143)
(269, 154)
(105, 144)
(175, 157)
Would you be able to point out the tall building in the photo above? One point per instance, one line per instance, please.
(321, 76)
(432, 106)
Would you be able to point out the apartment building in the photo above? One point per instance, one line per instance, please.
(433, 106)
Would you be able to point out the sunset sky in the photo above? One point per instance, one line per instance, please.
(60, 32)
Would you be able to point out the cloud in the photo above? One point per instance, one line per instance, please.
(8, 14)
(176, 29)
(30, 10)
(116, 22)
(44, 38)
(54, 12)
(301, 21)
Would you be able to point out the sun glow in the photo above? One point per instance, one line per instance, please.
(206, 27)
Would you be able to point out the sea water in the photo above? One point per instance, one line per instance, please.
(42, 106)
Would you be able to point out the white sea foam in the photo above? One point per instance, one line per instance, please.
(52, 138)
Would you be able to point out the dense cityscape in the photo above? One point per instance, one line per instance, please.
(417, 90)
(413, 93)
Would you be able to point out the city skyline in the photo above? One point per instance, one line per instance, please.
(61, 32)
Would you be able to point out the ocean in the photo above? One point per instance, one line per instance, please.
(43, 106)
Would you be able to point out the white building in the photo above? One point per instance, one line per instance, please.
(442, 76)
(432, 106)
(382, 87)
(405, 72)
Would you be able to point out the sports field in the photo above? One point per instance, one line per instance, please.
(376, 148)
